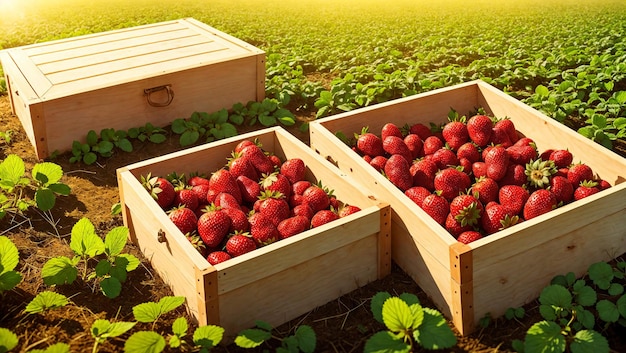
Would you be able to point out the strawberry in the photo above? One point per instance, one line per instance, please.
(237, 166)
(521, 154)
(369, 144)
(500, 137)
(509, 127)
(217, 257)
(515, 175)
(561, 158)
(479, 169)
(161, 190)
(486, 189)
(479, 129)
(423, 172)
(545, 155)
(241, 145)
(186, 197)
(299, 187)
(226, 200)
(466, 209)
(197, 180)
(239, 244)
(276, 182)
(346, 210)
(316, 197)
(466, 165)
(415, 145)
(390, 129)
(432, 144)
(213, 226)
(513, 198)
(261, 162)
(276, 161)
(586, 188)
(222, 181)
(469, 236)
(395, 145)
(378, 163)
(451, 182)
(454, 227)
(578, 173)
(184, 219)
(292, 226)
(603, 184)
(322, 217)
(525, 141)
(264, 233)
(496, 218)
(294, 169)
(437, 207)
(417, 194)
(497, 161)
(397, 171)
(468, 150)
(444, 158)
(201, 191)
(274, 205)
(539, 202)
(238, 220)
(249, 189)
(302, 210)
(455, 134)
(196, 242)
(562, 188)
(420, 130)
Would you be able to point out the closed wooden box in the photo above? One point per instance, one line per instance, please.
(510, 267)
(275, 283)
(125, 78)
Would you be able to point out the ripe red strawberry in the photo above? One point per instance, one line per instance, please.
(366, 158)
(561, 158)
(397, 171)
(578, 173)
(469, 151)
(586, 188)
(302, 210)
(486, 188)
(455, 134)
(250, 190)
(390, 129)
(423, 172)
(222, 181)
(217, 257)
(509, 127)
(213, 226)
(316, 197)
(346, 210)
(369, 144)
(264, 233)
(292, 226)
(526, 141)
(454, 227)
(276, 161)
(294, 169)
(444, 158)
(469, 236)
(479, 128)
(417, 194)
(257, 157)
(161, 190)
(415, 145)
(539, 202)
(395, 145)
(603, 184)
(466, 166)
(496, 218)
(378, 163)
(226, 200)
(238, 220)
(479, 169)
(197, 180)
(322, 217)
(276, 182)
(513, 198)
(515, 175)
(184, 219)
(237, 165)
(437, 207)
(500, 137)
(562, 188)
(420, 130)
(466, 209)
(299, 187)
(187, 198)
(274, 206)
(201, 191)
(451, 182)
(497, 161)
(545, 155)
(521, 154)
(432, 144)
(241, 145)
(239, 244)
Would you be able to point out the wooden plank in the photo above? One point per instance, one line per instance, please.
(37, 82)
(384, 241)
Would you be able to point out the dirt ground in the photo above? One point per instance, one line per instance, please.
(342, 325)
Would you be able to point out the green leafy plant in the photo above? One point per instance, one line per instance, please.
(55, 348)
(6, 136)
(148, 132)
(102, 329)
(408, 325)
(211, 127)
(302, 340)
(9, 258)
(112, 265)
(604, 130)
(8, 340)
(45, 301)
(19, 192)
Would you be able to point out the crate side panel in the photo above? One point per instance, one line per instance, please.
(277, 300)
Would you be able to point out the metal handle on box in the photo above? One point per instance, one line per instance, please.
(170, 95)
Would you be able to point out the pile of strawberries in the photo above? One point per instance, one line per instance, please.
(476, 176)
(256, 199)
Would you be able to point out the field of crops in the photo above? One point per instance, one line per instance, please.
(566, 58)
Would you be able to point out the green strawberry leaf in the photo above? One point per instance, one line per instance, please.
(44, 301)
(208, 336)
(145, 342)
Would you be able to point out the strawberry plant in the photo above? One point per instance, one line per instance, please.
(6, 136)
(45, 301)
(211, 127)
(303, 339)
(409, 325)
(9, 258)
(112, 265)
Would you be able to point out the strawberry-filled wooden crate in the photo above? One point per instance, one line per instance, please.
(510, 267)
(126, 78)
(277, 282)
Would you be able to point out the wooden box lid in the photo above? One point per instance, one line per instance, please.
(69, 66)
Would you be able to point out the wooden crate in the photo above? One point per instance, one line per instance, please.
(511, 267)
(266, 284)
(125, 78)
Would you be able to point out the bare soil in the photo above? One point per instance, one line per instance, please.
(342, 325)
